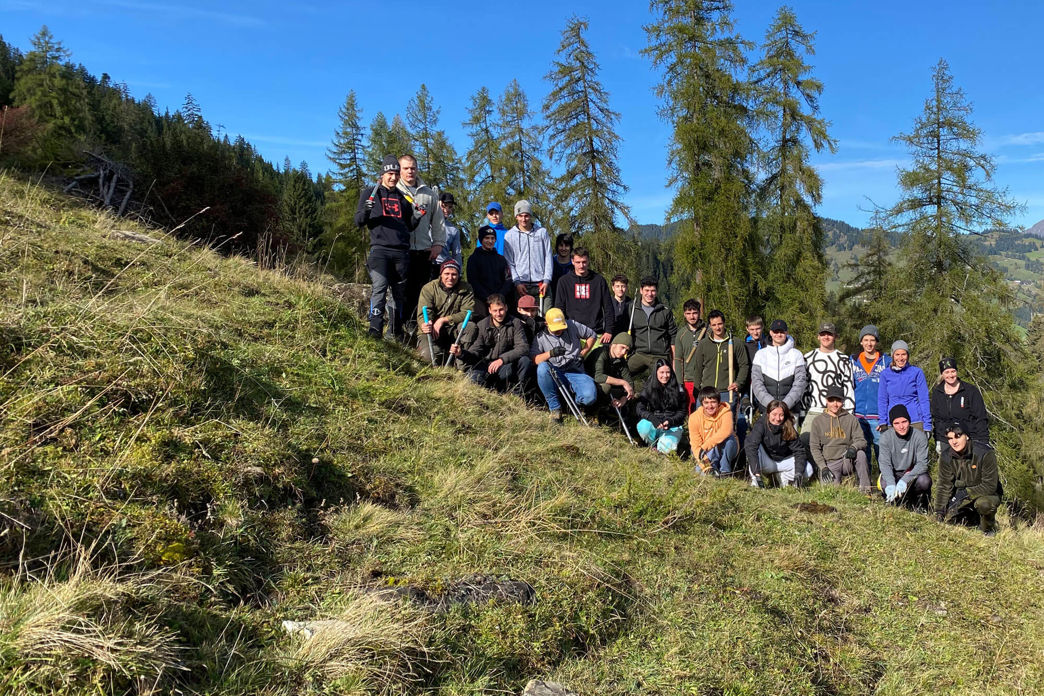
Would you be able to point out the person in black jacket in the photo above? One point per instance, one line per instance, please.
(385, 211)
(653, 330)
(955, 401)
(488, 272)
(499, 353)
(662, 407)
(969, 488)
(584, 297)
(773, 447)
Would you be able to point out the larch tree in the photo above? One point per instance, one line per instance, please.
(693, 44)
(482, 174)
(521, 151)
(580, 128)
(788, 112)
(344, 244)
(386, 139)
(422, 118)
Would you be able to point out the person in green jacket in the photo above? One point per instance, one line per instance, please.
(689, 336)
(608, 366)
(448, 300)
(969, 486)
(719, 362)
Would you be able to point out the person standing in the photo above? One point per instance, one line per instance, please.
(427, 238)
(685, 343)
(452, 249)
(867, 367)
(778, 372)
(719, 363)
(953, 400)
(563, 259)
(389, 217)
(584, 296)
(653, 331)
(826, 367)
(488, 272)
(494, 215)
(527, 249)
(621, 303)
(903, 383)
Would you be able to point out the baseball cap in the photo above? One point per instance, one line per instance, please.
(778, 325)
(827, 327)
(527, 302)
(555, 319)
(493, 205)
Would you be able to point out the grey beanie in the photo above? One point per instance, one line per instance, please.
(900, 345)
(869, 330)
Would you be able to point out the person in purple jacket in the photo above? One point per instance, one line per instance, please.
(903, 383)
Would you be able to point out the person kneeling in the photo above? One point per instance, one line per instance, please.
(711, 434)
(969, 487)
(661, 407)
(773, 447)
(447, 301)
(561, 348)
(608, 366)
(837, 443)
(904, 461)
(499, 354)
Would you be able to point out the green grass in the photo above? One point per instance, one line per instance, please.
(160, 513)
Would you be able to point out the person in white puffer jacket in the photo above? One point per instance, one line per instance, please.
(778, 371)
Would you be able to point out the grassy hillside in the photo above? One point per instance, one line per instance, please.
(193, 451)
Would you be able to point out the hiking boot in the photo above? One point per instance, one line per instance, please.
(556, 416)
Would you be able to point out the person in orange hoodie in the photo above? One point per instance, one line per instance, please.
(711, 434)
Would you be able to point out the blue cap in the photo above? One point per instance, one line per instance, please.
(493, 205)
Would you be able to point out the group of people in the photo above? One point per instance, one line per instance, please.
(536, 320)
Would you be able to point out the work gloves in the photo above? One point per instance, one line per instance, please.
(889, 493)
(850, 453)
(557, 351)
(900, 488)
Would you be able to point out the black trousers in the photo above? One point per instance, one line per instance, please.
(421, 270)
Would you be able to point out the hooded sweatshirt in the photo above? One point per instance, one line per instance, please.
(389, 221)
(586, 300)
(779, 373)
(867, 380)
(528, 255)
(965, 407)
(831, 436)
(908, 387)
(903, 458)
(707, 432)
(769, 436)
(488, 273)
(431, 229)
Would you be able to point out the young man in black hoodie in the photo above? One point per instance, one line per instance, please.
(389, 217)
(488, 272)
(584, 297)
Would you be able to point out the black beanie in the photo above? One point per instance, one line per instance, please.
(390, 164)
(897, 411)
(946, 364)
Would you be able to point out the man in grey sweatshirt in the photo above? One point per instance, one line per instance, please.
(904, 461)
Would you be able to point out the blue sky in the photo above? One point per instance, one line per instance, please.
(276, 72)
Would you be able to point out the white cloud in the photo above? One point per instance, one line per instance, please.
(1016, 139)
(860, 164)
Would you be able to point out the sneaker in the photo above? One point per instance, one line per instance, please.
(556, 416)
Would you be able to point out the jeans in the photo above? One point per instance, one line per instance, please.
(723, 456)
(666, 439)
(583, 387)
(872, 436)
(387, 268)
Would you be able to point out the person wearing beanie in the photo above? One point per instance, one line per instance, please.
(562, 347)
(388, 215)
(826, 367)
(498, 354)
(867, 368)
(427, 237)
(712, 434)
(953, 400)
(527, 249)
(494, 215)
(607, 364)
(778, 371)
(584, 296)
(837, 444)
(448, 300)
(904, 461)
(488, 272)
(903, 383)
(969, 489)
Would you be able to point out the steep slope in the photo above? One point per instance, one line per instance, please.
(193, 450)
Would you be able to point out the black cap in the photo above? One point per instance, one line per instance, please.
(446, 197)
(486, 231)
(390, 164)
(956, 428)
(835, 391)
(778, 325)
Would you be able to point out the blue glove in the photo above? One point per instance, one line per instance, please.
(889, 493)
(900, 488)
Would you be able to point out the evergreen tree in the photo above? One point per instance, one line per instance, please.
(693, 43)
(867, 291)
(581, 136)
(386, 139)
(347, 152)
(10, 59)
(788, 111)
(520, 149)
(483, 176)
(342, 242)
(299, 212)
(55, 96)
(400, 142)
(422, 117)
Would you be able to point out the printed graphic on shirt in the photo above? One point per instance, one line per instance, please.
(392, 207)
(826, 370)
(582, 291)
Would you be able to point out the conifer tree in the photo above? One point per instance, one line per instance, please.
(400, 142)
(422, 118)
(385, 139)
(50, 88)
(520, 150)
(791, 189)
(482, 173)
(10, 59)
(693, 44)
(299, 212)
(342, 243)
(580, 130)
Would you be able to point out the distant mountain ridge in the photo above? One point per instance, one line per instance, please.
(1037, 230)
